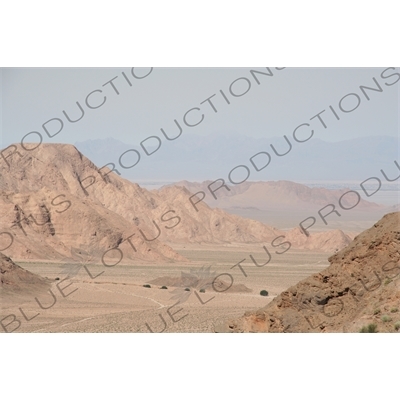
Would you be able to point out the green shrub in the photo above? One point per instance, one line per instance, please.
(202, 290)
(187, 289)
(387, 281)
(148, 286)
(394, 309)
(377, 311)
(386, 318)
(264, 293)
(163, 287)
(371, 328)
(397, 326)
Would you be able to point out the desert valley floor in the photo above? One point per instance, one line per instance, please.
(173, 245)
(116, 301)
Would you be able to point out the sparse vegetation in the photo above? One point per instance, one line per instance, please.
(202, 290)
(394, 309)
(387, 281)
(163, 287)
(377, 311)
(148, 286)
(371, 328)
(187, 289)
(264, 293)
(386, 318)
(57, 279)
(397, 326)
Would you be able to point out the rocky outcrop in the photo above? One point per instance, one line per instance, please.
(14, 279)
(361, 287)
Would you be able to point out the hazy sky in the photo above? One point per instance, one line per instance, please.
(276, 106)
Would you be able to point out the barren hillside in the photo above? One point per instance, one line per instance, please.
(64, 170)
(47, 224)
(330, 241)
(14, 279)
(54, 198)
(46, 208)
(360, 288)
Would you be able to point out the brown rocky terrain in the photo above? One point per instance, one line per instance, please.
(53, 198)
(330, 241)
(43, 228)
(62, 169)
(360, 288)
(14, 279)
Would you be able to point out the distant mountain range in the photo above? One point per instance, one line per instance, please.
(284, 203)
(198, 158)
(281, 195)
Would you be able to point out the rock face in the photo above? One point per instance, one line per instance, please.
(14, 279)
(47, 224)
(53, 198)
(45, 206)
(323, 241)
(360, 287)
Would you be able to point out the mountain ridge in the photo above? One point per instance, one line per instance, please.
(360, 286)
(106, 213)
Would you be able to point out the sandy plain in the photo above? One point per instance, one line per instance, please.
(117, 301)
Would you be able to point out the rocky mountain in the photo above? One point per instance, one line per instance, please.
(14, 279)
(47, 224)
(53, 198)
(46, 210)
(360, 290)
(329, 241)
